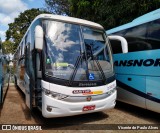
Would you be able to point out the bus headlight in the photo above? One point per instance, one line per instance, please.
(110, 92)
(55, 95)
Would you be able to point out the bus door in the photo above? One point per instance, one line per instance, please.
(38, 71)
(28, 92)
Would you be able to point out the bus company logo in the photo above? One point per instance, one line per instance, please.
(81, 91)
(141, 62)
(88, 98)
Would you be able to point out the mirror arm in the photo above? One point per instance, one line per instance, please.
(123, 41)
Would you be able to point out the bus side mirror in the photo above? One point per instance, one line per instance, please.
(39, 38)
(123, 41)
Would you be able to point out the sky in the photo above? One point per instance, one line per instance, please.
(10, 9)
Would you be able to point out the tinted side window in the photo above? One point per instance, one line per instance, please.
(27, 55)
(120, 33)
(154, 34)
(136, 38)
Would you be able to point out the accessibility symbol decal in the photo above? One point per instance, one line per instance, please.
(91, 76)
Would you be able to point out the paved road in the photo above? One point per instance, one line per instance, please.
(14, 111)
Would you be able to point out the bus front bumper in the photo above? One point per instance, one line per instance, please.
(57, 108)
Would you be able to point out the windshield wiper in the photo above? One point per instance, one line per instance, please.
(79, 58)
(90, 55)
(101, 70)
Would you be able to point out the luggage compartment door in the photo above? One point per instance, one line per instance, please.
(131, 89)
(153, 93)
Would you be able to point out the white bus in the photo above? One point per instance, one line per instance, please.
(64, 67)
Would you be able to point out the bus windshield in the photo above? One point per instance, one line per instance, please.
(73, 48)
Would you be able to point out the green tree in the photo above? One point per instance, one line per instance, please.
(124, 11)
(8, 47)
(60, 7)
(109, 13)
(20, 25)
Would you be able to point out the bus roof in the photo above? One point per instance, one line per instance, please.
(140, 20)
(69, 19)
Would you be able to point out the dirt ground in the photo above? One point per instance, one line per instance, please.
(14, 111)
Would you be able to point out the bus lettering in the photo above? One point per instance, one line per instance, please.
(138, 63)
(146, 63)
(80, 91)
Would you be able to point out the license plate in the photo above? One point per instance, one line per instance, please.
(90, 107)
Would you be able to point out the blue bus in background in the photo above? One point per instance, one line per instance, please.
(4, 74)
(138, 71)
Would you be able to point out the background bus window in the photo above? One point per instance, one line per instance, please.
(120, 33)
(154, 34)
(136, 38)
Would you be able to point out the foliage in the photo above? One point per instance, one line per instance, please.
(109, 13)
(8, 47)
(124, 11)
(18, 28)
(60, 7)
